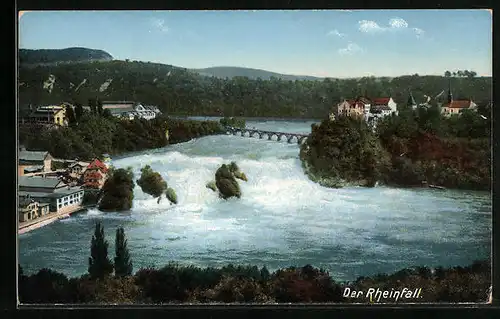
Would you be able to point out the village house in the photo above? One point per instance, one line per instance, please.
(52, 191)
(28, 208)
(95, 175)
(384, 106)
(454, 107)
(34, 161)
(77, 169)
(49, 115)
(130, 110)
(358, 107)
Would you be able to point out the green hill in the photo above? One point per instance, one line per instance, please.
(230, 72)
(179, 91)
(52, 56)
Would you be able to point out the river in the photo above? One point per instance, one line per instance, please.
(282, 219)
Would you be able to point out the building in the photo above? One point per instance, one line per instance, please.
(34, 161)
(384, 106)
(454, 107)
(77, 169)
(95, 175)
(49, 115)
(28, 208)
(130, 110)
(51, 191)
(355, 107)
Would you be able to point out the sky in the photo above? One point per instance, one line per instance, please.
(325, 43)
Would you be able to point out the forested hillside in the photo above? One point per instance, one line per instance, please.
(179, 91)
(49, 56)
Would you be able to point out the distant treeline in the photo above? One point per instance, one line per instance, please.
(111, 282)
(179, 91)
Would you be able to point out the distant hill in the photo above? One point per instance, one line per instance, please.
(54, 56)
(231, 71)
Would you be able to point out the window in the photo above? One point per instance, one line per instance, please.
(59, 206)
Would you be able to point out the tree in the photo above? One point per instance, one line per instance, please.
(99, 264)
(70, 115)
(123, 264)
(78, 111)
(107, 113)
(472, 74)
(99, 107)
(460, 73)
(92, 106)
(454, 73)
(447, 74)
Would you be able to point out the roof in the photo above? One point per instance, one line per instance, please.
(34, 168)
(58, 194)
(116, 104)
(460, 104)
(363, 100)
(381, 101)
(105, 155)
(39, 182)
(97, 164)
(33, 156)
(121, 110)
(82, 164)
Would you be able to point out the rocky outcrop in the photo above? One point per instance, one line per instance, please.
(152, 183)
(225, 181)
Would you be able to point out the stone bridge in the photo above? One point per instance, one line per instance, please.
(245, 132)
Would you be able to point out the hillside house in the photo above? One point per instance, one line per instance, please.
(55, 115)
(130, 110)
(357, 107)
(384, 106)
(454, 107)
(34, 161)
(95, 175)
(51, 191)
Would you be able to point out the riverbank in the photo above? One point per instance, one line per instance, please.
(251, 284)
(28, 226)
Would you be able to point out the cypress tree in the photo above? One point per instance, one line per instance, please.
(78, 111)
(92, 106)
(70, 114)
(123, 264)
(99, 107)
(99, 263)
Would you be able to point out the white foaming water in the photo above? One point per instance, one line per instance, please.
(282, 219)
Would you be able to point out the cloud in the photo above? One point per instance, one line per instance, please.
(368, 26)
(336, 33)
(351, 48)
(419, 32)
(159, 24)
(398, 23)
(395, 24)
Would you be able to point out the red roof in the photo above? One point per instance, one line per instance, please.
(97, 164)
(460, 104)
(381, 101)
